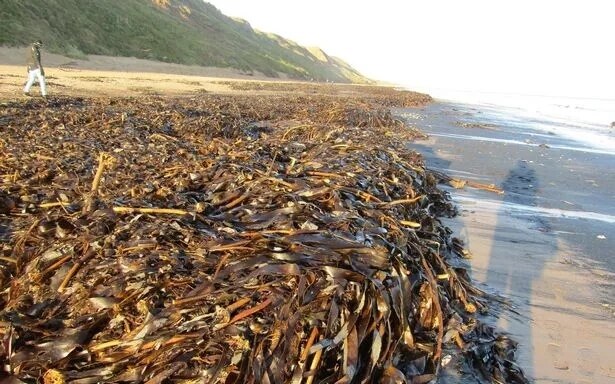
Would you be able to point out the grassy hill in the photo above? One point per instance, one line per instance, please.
(177, 31)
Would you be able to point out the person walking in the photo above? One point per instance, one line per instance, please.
(35, 69)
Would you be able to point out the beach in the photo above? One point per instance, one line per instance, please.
(271, 235)
(114, 76)
(545, 244)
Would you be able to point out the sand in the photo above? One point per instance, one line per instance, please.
(112, 76)
(549, 268)
(565, 334)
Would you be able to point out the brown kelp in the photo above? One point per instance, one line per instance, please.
(229, 239)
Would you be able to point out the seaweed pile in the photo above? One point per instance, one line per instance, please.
(380, 95)
(269, 239)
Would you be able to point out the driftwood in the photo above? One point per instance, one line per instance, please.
(462, 183)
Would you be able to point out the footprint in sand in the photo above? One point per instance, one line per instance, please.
(558, 291)
(587, 361)
(609, 372)
(586, 328)
(553, 328)
(555, 351)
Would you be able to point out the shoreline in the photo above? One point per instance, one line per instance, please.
(562, 310)
(150, 223)
(477, 229)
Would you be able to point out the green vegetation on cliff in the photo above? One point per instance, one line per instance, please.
(177, 31)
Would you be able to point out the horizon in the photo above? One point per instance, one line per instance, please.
(549, 48)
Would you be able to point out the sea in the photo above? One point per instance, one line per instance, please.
(554, 157)
(547, 243)
(588, 122)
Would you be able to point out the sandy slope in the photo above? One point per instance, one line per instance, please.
(112, 76)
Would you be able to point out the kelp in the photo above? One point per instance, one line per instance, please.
(379, 95)
(229, 239)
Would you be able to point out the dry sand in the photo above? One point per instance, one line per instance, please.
(112, 76)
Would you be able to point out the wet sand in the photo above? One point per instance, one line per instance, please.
(545, 244)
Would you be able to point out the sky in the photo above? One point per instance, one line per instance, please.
(539, 47)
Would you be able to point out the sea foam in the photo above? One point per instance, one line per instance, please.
(586, 122)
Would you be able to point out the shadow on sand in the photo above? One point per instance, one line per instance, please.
(507, 273)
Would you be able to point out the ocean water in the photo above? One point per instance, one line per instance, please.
(553, 156)
(586, 122)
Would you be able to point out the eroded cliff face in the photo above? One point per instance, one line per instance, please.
(162, 3)
(180, 7)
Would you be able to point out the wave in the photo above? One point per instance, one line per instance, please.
(526, 210)
(589, 122)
